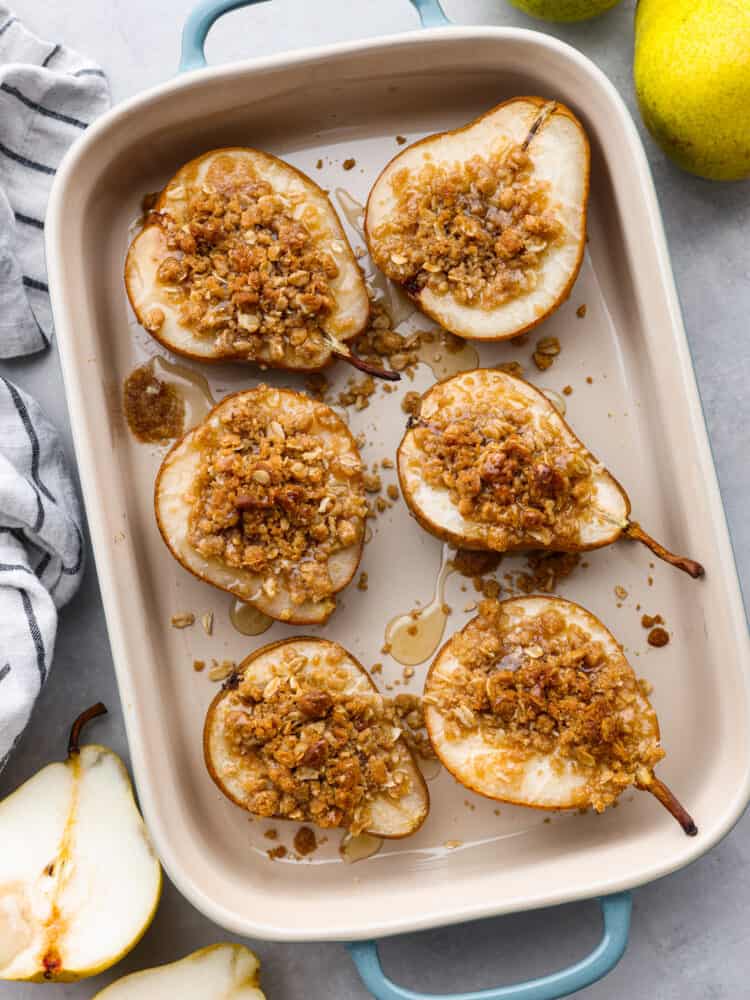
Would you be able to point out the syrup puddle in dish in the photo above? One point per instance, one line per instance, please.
(364, 845)
(413, 637)
(247, 619)
(192, 386)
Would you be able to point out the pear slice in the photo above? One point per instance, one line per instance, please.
(490, 464)
(337, 731)
(79, 880)
(243, 258)
(485, 226)
(252, 461)
(218, 972)
(534, 703)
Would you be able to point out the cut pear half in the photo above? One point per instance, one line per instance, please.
(197, 283)
(493, 729)
(331, 669)
(599, 519)
(218, 972)
(483, 230)
(176, 493)
(79, 880)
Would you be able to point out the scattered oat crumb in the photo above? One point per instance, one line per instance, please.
(581, 311)
(319, 164)
(349, 163)
(207, 621)
(385, 648)
(199, 665)
(589, 380)
(657, 637)
(183, 620)
(387, 463)
(650, 581)
(511, 368)
(272, 834)
(546, 351)
(304, 841)
(453, 843)
(567, 390)
(648, 621)
(362, 582)
(392, 492)
(401, 139)
(317, 385)
(376, 668)
(408, 673)
(620, 592)
(410, 402)
(496, 812)
(471, 606)
(372, 482)
(381, 505)
(277, 852)
(547, 820)
(220, 670)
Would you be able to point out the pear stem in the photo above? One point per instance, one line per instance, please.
(342, 350)
(690, 566)
(660, 791)
(75, 732)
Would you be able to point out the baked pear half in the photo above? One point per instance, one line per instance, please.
(489, 463)
(243, 258)
(534, 703)
(485, 226)
(300, 732)
(265, 499)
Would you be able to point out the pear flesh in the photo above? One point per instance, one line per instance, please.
(305, 201)
(219, 972)
(557, 144)
(172, 502)
(692, 80)
(79, 880)
(601, 521)
(389, 817)
(495, 762)
(564, 11)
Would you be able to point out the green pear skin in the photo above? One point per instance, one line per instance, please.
(564, 10)
(692, 79)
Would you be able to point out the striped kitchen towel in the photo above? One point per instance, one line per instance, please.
(48, 95)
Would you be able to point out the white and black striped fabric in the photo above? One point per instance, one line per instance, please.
(48, 96)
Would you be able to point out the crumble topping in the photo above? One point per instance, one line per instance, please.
(316, 752)
(154, 410)
(546, 686)
(508, 468)
(278, 492)
(246, 269)
(477, 230)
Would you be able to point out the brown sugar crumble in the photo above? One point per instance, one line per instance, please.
(278, 492)
(244, 270)
(199, 665)
(305, 841)
(544, 685)
(581, 311)
(277, 853)
(349, 163)
(658, 637)
(309, 749)
(184, 619)
(518, 477)
(648, 621)
(546, 351)
(154, 410)
(567, 390)
(477, 230)
(401, 139)
(362, 583)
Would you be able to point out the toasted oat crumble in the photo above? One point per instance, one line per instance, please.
(544, 685)
(478, 230)
(507, 470)
(245, 269)
(154, 409)
(657, 637)
(315, 752)
(274, 496)
(546, 351)
(183, 619)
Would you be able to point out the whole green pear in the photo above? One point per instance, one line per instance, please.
(564, 10)
(692, 78)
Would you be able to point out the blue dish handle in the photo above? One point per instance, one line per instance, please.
(609, 951)
(206, 12)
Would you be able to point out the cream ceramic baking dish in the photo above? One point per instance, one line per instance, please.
(640, 413)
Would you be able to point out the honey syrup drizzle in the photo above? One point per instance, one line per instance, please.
(192, 386)
(248, 620)
(414, 636)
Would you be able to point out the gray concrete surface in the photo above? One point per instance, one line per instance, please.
(689, 930)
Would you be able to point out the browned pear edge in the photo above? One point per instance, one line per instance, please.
(458, 540)
(656, 787)
(232, 682)
(540, 102)
(293, 620)
(228, 358)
